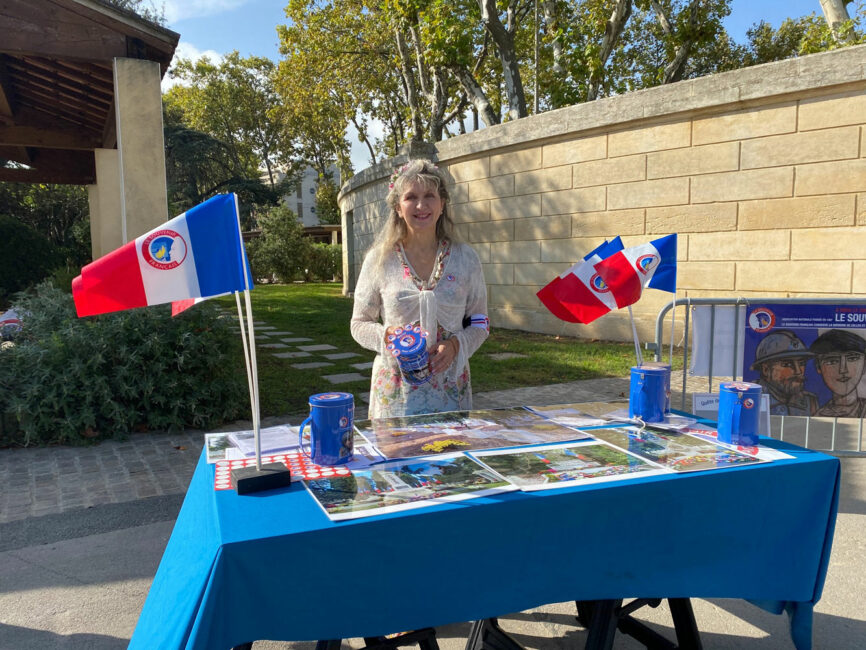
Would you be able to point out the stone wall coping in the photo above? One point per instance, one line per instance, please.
(726, 91)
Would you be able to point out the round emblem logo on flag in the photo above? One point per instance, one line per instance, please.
(645, 263)
(598, 284)
(164, 250)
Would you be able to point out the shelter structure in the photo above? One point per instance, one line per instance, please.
(80, 104)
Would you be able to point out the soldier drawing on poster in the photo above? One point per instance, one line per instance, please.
(810, 359)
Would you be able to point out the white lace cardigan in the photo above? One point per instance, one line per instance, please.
(387, 296)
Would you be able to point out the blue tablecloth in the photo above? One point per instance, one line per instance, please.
(272, 566)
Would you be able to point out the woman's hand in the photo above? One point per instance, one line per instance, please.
(443, 354)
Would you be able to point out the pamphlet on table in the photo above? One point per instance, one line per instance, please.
(419, 435)
(568, 415)
(679, 452)
(565, 464)
(239, 445)
(405, 485)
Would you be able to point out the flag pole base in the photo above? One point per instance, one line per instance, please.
(247, 480)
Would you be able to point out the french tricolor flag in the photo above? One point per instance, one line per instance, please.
(196, 255)
(628, 271)
(579, 295)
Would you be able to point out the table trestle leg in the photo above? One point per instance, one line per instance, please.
(487, 635)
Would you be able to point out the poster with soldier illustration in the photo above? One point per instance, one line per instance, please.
(810, 359)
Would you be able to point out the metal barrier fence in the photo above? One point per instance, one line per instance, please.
(841, 437)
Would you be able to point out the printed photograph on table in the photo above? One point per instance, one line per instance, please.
(435, 433)
(710, 434)
(219, 447)
(568, 415)
(810, 359)
(402, 485)
(552, 466)
(675, 450)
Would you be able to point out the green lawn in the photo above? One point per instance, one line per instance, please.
(320, 312)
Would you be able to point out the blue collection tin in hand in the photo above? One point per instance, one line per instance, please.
(408, 345)
(648, 393)
(331, 431)
(739, 413)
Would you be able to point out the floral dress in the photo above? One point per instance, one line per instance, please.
(393, 295)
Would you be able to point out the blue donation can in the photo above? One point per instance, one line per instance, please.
(739, 411)
(667, 368)
(648, 394)
(332, 435)
(409, 346)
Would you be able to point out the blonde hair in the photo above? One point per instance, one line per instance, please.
(430, 177)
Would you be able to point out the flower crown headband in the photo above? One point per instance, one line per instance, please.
(399, 171)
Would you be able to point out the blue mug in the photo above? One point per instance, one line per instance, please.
(331, 431)
(739, 413)
(648, 393)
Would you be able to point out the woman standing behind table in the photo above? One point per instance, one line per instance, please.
(417, 273)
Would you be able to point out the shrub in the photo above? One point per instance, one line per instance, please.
(325, 262)
(69, 380)
(281, 250)
(26, 257)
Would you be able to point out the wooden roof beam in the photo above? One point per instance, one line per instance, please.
(36, 176)
(35, 73)
(6, 101)
(30, 30)
(31, 136)
(16, 154)
(80, 30)
(58, 101)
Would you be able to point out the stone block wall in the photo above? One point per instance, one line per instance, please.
(761, 172)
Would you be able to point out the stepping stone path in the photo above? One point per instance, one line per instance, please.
(341, 355)
(345, 378)
(311, 365)
(310, 355)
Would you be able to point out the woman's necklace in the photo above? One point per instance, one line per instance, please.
(422, 259)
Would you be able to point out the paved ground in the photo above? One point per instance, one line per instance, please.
(82, 531)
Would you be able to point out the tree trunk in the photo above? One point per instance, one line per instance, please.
(676, 67)
(438, 104)
(836, 13)
(615, 24)
(363, 135)
(409, 87)
(476, 95)
(551, 23)
(504, 42)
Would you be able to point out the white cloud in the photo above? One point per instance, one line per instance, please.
(176, 10)
(186, 50)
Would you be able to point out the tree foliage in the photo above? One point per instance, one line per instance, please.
(327, 208)
(233, 102)
(423, 68)
(57, 212)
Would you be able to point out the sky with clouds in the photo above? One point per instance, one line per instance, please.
(214, 27)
